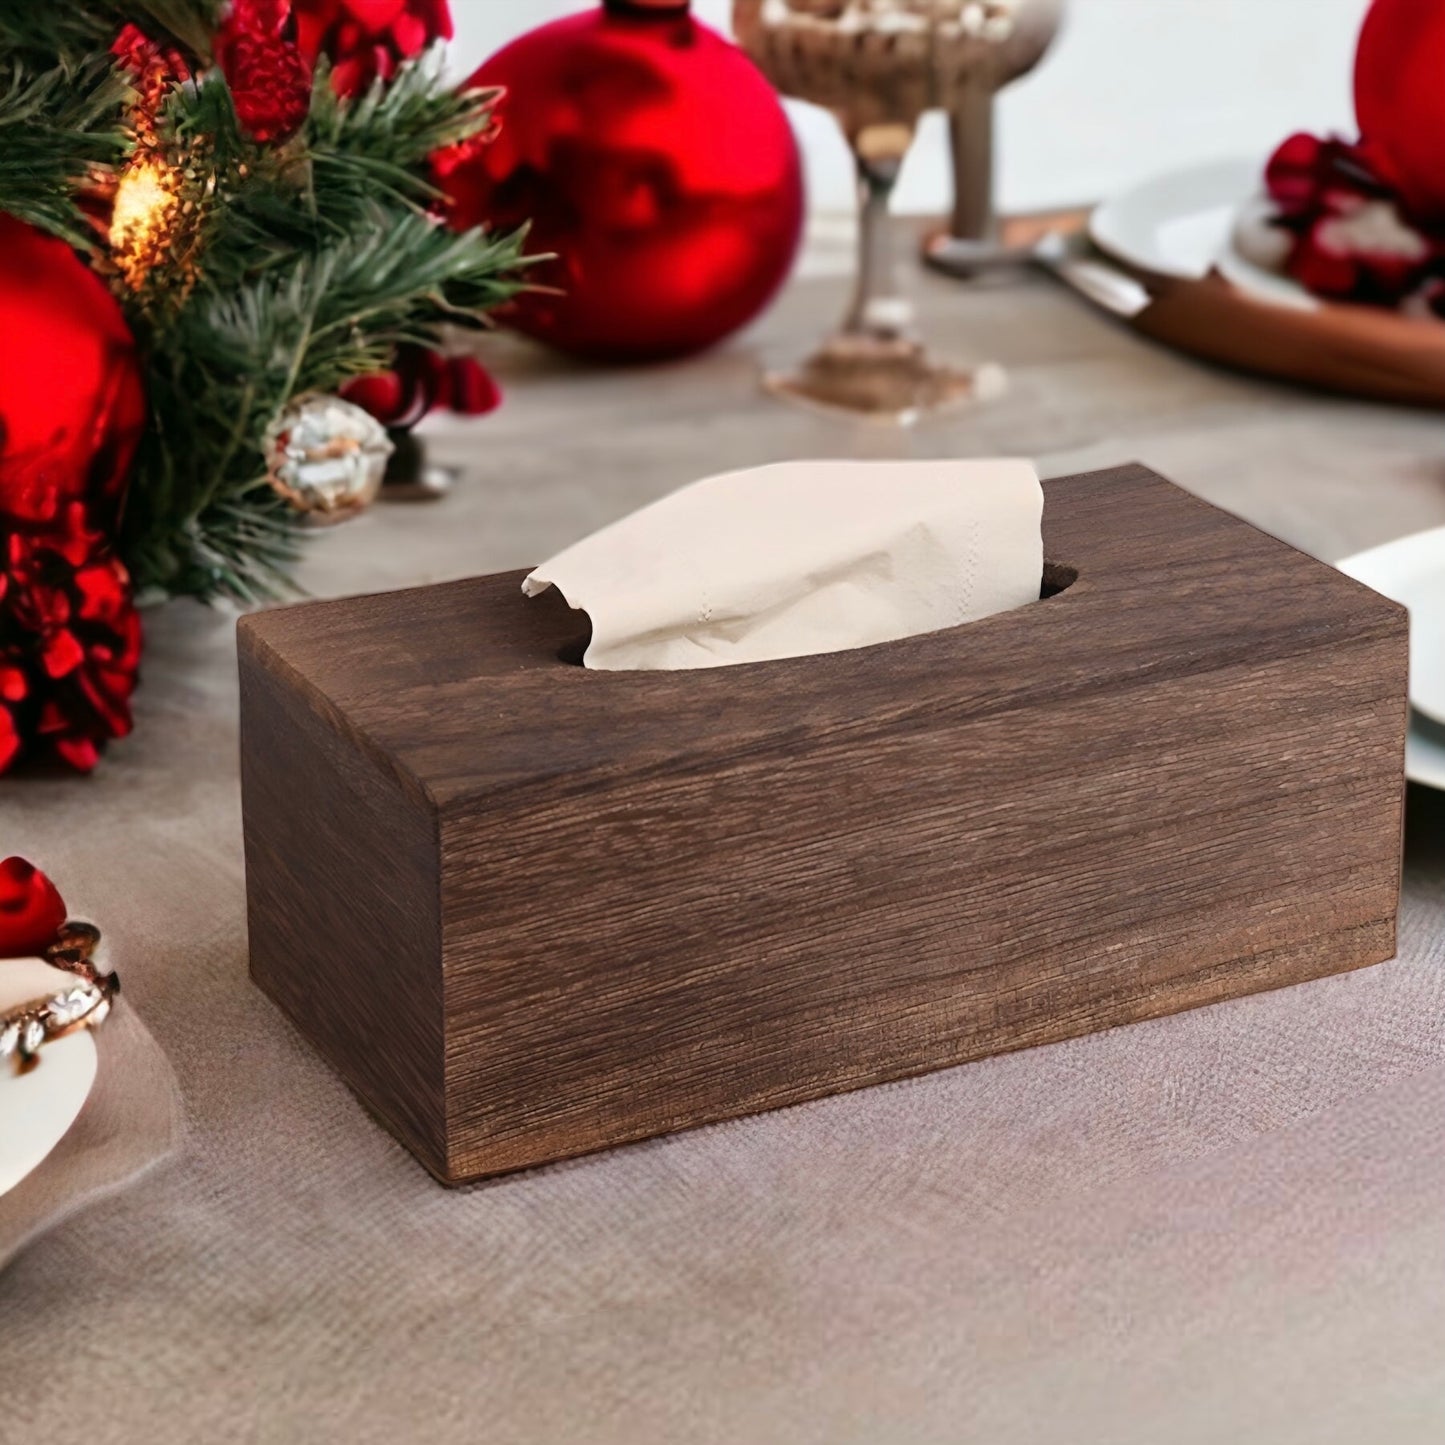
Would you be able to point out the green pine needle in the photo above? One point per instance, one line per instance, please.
(59, 129)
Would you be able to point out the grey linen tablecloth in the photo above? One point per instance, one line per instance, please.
(1223, 1226)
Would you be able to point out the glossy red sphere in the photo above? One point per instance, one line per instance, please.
(1400, 100)
(653, 158)
(72, 404)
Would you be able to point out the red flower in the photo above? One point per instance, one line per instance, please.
(1361, 252)
(269, 78)
(422, 380)
(31, 909)
(1307, 174)
(70, 640)
(367, 39)
(1350, 240)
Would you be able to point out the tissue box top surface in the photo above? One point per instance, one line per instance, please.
(469, 688)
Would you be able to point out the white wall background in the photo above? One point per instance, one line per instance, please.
(1131, 87)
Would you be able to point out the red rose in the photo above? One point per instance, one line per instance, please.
(70, 640)
(367, 39)
(31, 909)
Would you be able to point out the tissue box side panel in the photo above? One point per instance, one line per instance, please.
(342, 892)
(695, 945)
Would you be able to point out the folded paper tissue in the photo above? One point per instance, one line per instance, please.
(804, 557)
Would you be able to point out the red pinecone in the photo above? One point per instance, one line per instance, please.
(270, 79)
(70, 640)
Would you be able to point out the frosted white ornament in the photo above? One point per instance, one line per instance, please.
(327, 457)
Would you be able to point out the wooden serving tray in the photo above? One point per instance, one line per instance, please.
(529, 910)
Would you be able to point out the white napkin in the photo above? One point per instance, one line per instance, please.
(804, 557)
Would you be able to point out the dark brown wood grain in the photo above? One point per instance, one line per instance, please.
(530, 910)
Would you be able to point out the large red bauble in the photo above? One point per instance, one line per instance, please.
(651, 155)
(72, 405)
(1400, 101)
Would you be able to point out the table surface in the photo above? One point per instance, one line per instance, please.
(1224, 1226)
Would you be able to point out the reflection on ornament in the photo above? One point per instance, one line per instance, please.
(147, 205)
(327, 457)
(72, 403)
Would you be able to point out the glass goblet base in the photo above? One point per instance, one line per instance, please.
(882, 378)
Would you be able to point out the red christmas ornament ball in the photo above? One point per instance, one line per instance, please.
(72, 405)
(655, 160)
(1400, 101)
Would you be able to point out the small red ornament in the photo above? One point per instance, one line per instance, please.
(70, 640)
(31, 909)
(421, 381)
(72, 406)
(1400, 101)
(652, 156)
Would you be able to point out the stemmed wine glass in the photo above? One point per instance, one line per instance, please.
(877, 65)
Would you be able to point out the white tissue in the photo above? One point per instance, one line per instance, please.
(804, 557)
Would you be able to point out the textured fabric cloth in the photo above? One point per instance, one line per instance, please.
(1220, 1227)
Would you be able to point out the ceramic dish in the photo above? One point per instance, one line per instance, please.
(1411, 570)
(1183, 224)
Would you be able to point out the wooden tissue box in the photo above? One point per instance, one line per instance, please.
(528, 910)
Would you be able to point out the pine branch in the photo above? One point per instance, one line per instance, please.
(202, 517)
(49, 31)
(387, 136)
(191, 22)
(72, 28)
(59, 128)
(275, 271)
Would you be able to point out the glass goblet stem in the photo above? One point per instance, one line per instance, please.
(878, 307)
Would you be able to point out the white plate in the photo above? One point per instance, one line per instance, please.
(1411, 571)
(38, 1108)
(1182, 224)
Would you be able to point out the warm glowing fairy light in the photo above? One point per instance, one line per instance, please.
(143, 216)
